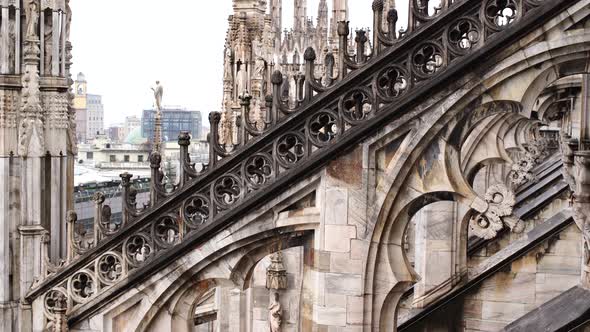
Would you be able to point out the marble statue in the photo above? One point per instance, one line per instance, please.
(158, 93)
(275, 314)
(241, 82)
(259, 65)
(581, 219)
(11, 46)
(68, 19)
(48, 45)
(226, 132)
(227, 67)
(32, 19)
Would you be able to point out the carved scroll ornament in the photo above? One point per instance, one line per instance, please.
(495, 212)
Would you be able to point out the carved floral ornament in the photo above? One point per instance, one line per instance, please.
(495, 212)
(231, 177)
(522, 171)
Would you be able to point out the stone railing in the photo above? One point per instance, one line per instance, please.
(369, 91)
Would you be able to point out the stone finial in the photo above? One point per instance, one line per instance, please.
(214, 117)
(392, 16)
(309, 54)
(126, 179)
(343, 28)
(184, 138)
(155, 159)
(245, 99)
(361, 36)
(98, 197)
(276, 78)
(276, 274)
(71, 216)
(378, 5)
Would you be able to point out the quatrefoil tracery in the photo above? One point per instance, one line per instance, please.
(289, 149)
(357, 105)
(258, 170)
(463, 35)
(500, 13)
(195, 211)
(323, 127)
(391, 82)
(427, 59)
(227, 190)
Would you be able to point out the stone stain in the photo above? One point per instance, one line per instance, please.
(348, 168)
(431, 155)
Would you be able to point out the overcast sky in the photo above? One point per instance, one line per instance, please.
(124, 46)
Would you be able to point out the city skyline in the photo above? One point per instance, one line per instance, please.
(168, 55)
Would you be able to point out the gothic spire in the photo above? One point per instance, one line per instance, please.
(300, 16)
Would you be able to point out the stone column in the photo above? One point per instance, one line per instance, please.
(237, 321)
(31, 150)
(55, 67)
(42, 41)
(62, 50)
(585, 114)
(5, 257)
(57, 208)
(17, 37)
(4, 56)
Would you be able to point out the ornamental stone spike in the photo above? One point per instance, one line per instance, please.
(377, 5)
(158, 94)
(392, 16)
(184, 138)
(277, 78)
(309, 54)
(343, 29)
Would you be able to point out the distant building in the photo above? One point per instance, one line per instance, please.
(116, 133)
(174, 120)
(89, 111)
(131, 123)
(94, 116)
(102, 154)
(85, 205)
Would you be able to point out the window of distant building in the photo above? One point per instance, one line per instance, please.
(113, 158)
(140, 159)
(89, 155)
(126, 158)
